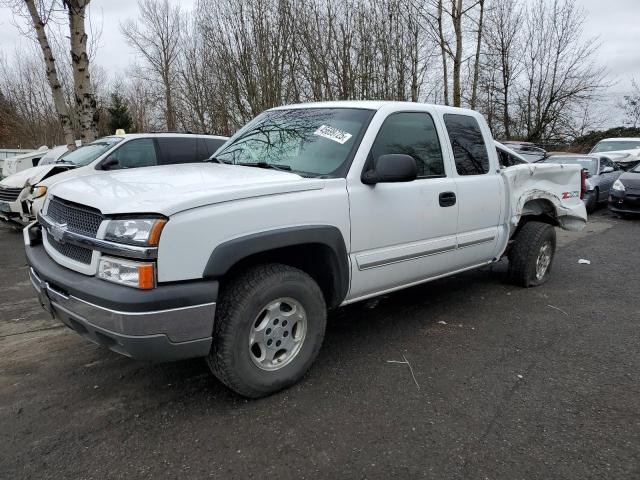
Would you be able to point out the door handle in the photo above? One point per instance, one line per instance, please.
(447, 199)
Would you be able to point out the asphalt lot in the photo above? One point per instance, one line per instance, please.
(539, 383)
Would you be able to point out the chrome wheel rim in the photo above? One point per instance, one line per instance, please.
(277, 334)
(544, 260)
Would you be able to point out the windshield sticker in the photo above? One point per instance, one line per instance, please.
(334, 134)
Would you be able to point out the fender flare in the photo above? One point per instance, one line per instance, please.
(228, 253)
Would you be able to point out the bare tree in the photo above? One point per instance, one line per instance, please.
(502, 50)
(157, 39)
(630, 105)
(84, 96)
(559, 69)
(39, 13)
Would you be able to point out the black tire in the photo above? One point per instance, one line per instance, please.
(240, 302)
(593, 202)
(524, 253)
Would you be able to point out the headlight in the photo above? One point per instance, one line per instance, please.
(37, 192)
(618, 186)
(135, 231)
(127, 272)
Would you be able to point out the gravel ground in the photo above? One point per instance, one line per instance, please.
(511, 383)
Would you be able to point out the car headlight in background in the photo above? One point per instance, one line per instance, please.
(143, 231)
(127, 272)
(618, 186)
(37, 192)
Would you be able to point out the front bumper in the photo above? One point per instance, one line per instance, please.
(624, 202)
(16, 211)
(170, 322)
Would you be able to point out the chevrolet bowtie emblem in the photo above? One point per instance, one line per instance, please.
(57, 231)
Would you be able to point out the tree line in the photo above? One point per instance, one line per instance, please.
(526, 65)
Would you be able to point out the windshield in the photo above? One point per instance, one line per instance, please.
(88, 153)
(308, 141)
(590, 164)
(615, 146)
(636, 169)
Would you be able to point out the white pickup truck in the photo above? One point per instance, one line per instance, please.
(307, 208)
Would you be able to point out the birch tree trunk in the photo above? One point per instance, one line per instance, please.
(85, 99)
(52, 75)
(456, 18)
(443, 53)
(476, 67)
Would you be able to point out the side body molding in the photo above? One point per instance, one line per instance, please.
(227, 254)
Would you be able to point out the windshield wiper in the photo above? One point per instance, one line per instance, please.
(66, 162)
(217, 160)
(272, 166)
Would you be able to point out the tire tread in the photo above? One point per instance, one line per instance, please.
(526, 244)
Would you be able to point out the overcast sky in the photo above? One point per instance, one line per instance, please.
(615, 22)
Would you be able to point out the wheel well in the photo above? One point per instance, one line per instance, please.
(538, 210)
(315, 259)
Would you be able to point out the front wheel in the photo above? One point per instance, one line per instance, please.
(532, 253)
(592, 203)
(269, 327)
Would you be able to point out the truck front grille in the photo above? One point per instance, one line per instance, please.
(8, 194)
(78, 218)
(79, 254)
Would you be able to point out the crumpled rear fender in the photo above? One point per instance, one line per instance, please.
(538, 189)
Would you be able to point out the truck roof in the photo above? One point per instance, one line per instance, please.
(623, 139)
(373, 105)
(165, 134)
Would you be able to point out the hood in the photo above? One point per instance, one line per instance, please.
(630, 180)
(69, 172)
(30, 176)
(622, 155)
(170, 189)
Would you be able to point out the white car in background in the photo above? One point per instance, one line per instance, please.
(624, 151)
(23, 161)
(22, 195)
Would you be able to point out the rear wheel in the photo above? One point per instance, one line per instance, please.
(269, 327)
(531, 255)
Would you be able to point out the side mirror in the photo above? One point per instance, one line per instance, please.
(110, 163)
(607, 170)
(391, 168)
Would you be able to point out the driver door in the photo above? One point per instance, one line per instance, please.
(403, 233)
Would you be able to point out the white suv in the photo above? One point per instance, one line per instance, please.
(22, 194)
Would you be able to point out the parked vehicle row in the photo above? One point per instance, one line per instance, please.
(624, 197)
(307, 208)
(601, 173)
(22, 194)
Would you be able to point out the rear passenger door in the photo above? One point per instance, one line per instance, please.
(480, 190)
(177, 150)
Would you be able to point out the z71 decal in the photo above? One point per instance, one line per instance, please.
(567, 195)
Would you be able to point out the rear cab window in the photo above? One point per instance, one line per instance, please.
(467, 142)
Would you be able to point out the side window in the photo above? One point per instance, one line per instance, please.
(136, 153)
(178, 150)
(201, 150)
(412, 134)
(213, 144)
(507, 160)
(467, 143)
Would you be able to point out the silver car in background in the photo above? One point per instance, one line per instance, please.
(602, 172)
